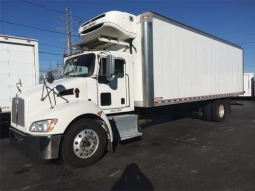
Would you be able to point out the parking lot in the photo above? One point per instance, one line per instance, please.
(183, 154)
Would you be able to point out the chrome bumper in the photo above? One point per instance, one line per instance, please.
(36, 147)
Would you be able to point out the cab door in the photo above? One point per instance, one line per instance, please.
(112, 95)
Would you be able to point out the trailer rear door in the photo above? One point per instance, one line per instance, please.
(17, 61)
(246, 85)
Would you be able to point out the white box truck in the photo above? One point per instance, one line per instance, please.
(249, 85)
(128, 66)
(19, 70)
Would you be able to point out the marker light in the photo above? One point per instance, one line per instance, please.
(77, 92)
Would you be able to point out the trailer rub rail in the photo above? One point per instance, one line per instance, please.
(172, 101)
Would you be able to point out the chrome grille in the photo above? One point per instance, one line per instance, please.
(21, 112)
(18, 111)
(14, 112)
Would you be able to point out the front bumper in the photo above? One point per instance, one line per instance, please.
(36, 147)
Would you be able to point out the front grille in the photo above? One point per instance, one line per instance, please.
(18, 111)
(21, 112)
(14, 112)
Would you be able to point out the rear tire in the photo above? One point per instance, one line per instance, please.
(208, 111)
(83, 144)
(218, 111)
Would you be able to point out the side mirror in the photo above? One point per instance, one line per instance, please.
(49, 77)
(110, 67)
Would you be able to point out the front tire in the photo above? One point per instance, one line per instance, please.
(83, 144)
(218, 111)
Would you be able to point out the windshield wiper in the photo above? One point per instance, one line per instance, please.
(69, 72)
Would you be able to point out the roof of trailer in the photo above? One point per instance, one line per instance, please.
(195, 29)
(15, 37)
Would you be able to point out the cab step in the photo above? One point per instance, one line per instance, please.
(125, 126)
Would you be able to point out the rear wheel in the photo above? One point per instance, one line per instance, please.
(84, 143)
(207, 112)
(218, 111)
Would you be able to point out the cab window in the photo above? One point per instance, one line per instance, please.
(119, 70)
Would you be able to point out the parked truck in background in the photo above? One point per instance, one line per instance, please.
(128, 67)
(19, 70)
(249, 85)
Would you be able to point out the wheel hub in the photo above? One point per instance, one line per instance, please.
(85, 143)
(221, 111)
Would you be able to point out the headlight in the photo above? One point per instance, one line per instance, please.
(43, 126)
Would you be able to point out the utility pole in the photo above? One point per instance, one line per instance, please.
(58, 71)
(68, 30)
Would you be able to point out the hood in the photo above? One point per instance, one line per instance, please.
(33, 97)
(66, 83)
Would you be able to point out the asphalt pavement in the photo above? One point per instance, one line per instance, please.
(183, 154)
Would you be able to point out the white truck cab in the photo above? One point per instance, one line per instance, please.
(127, 65)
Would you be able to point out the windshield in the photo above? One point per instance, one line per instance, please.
(79, 66)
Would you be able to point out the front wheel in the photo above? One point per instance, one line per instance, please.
(84, 143)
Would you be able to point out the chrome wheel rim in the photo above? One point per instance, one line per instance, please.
(221, 111)
(85, 143)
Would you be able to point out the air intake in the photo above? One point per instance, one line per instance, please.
(99, 17)
(92, 29)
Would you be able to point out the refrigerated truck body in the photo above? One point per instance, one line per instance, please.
(128, 65)
(19, 67)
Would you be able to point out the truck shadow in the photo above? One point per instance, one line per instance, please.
(156, 120)
(133, 179)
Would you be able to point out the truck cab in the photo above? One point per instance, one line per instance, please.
(110, 93)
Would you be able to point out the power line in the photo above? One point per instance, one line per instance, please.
(245, 42)
(51, 46)
(219, 12)
(32, 27)
(49, 53)
(244, 35)
(49, 8)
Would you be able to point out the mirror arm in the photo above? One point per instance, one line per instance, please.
(48, 95)
(58, 94)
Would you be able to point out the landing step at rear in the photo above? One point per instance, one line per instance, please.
(125, 126)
